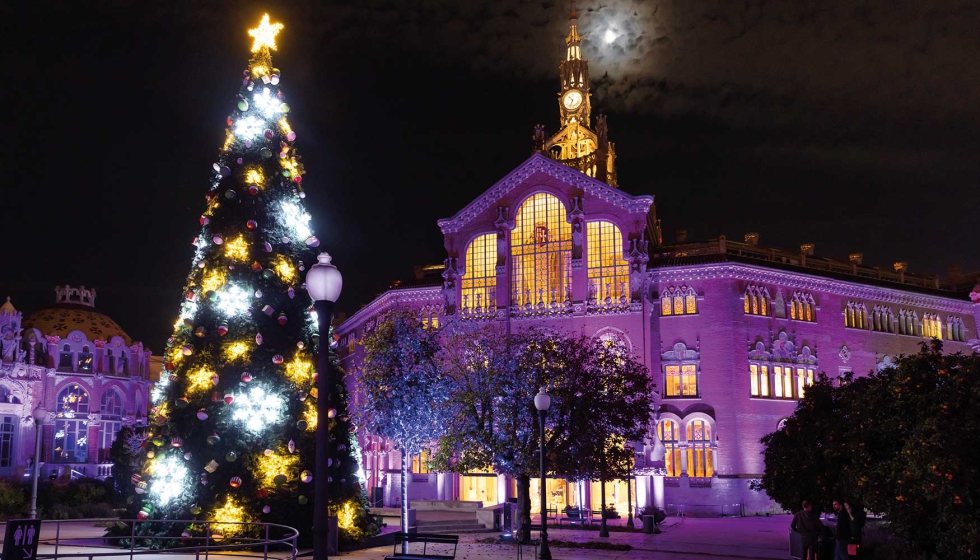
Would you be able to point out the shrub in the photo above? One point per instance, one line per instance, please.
(13, 500)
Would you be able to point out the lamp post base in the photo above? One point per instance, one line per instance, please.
(629, 521)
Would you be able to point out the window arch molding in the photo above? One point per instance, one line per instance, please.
(619, 334)
(565, 201)
(670, 425)
(113, 391)
(541, 251)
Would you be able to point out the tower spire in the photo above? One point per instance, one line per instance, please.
(576, 144)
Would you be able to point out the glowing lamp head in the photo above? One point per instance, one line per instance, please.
(542, 401)
(324, 281)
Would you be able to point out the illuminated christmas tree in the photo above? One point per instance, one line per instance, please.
(231, 438)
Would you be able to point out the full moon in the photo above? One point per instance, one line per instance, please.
(610, 36)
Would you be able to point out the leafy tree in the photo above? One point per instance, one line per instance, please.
(494, 424)
(405, 392)
(904, 441)
(612, 406)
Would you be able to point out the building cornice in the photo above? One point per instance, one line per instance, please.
(799, 281)
(387, 301)
(539, 163)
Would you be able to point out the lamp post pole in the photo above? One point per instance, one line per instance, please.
(629, 494)
(39, 414)
(323, 282)
(542, 402)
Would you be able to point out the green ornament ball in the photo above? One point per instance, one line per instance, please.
(279, 479)
(301, 424)
(302, 500)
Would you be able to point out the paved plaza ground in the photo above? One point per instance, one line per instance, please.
(761, 538)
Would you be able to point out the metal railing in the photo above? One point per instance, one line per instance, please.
(259, 539)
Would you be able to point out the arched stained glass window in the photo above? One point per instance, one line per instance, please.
(700, 460)
(541, 252)
(71, 426)
(479, 282)
(609, 273)
(669, 434)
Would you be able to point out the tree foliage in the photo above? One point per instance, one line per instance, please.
(904, 441)
(600, 398)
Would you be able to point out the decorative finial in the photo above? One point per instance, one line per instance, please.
(574, 13)
(265, 34)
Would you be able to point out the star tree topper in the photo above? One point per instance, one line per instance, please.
(265, 34)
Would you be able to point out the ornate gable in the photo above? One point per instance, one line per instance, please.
(538, 163)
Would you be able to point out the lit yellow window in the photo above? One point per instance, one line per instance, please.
(691, 304)
(689, 380)
(668, 433)
(480, 277)
(420, 462)
(665, 308)
(754, 379)
(804, 378)
(678, 305)
(608, 271)
(764, 305)
(778, 386)
(673, 381)
(699, 453)
(764, 381)
(788, 382)
(747, 298)
(541, 252)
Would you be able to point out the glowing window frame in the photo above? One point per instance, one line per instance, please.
(479, 281)
(668, 430)
(700, 452)
(528, 287)
(608, 270)
(683, 298)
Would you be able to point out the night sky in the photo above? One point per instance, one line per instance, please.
(852, 125)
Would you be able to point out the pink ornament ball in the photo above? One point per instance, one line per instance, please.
(246, 377)
(251, 224)
(218, 240)
(277, 359)
(268, 134)
(291, 136)
(266, 509)
(235, 482)
(229, 398)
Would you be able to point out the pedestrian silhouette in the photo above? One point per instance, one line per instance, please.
(17, 535)
(30, 535)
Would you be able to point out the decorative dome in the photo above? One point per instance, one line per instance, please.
(74, 310)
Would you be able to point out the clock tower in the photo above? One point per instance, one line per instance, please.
(576, 144)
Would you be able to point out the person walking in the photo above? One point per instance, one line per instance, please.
(807, 523)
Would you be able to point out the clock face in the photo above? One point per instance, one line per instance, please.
(572, 100)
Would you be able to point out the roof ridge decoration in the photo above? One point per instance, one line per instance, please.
(538, 163)
(78, 296)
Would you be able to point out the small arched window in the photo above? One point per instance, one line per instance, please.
(801, 307)
(757, 301)
(678, 301)
(669, 435)
(72, 402)
(112, 404)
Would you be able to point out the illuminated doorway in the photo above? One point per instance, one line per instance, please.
(479, 487)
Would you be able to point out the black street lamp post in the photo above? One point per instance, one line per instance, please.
(629, 494)
(39, 414)
(542, 402)
(323, 282)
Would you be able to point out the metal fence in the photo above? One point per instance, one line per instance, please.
(250, 540)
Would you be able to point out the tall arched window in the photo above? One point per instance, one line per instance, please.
(479, 281)
(609, 273)
(669, 434)
(757, 301)
(932, 326)
(541, 252)
(678, 301)
(699, 455)
(801, 308)
(71, 425)
(112, 412)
